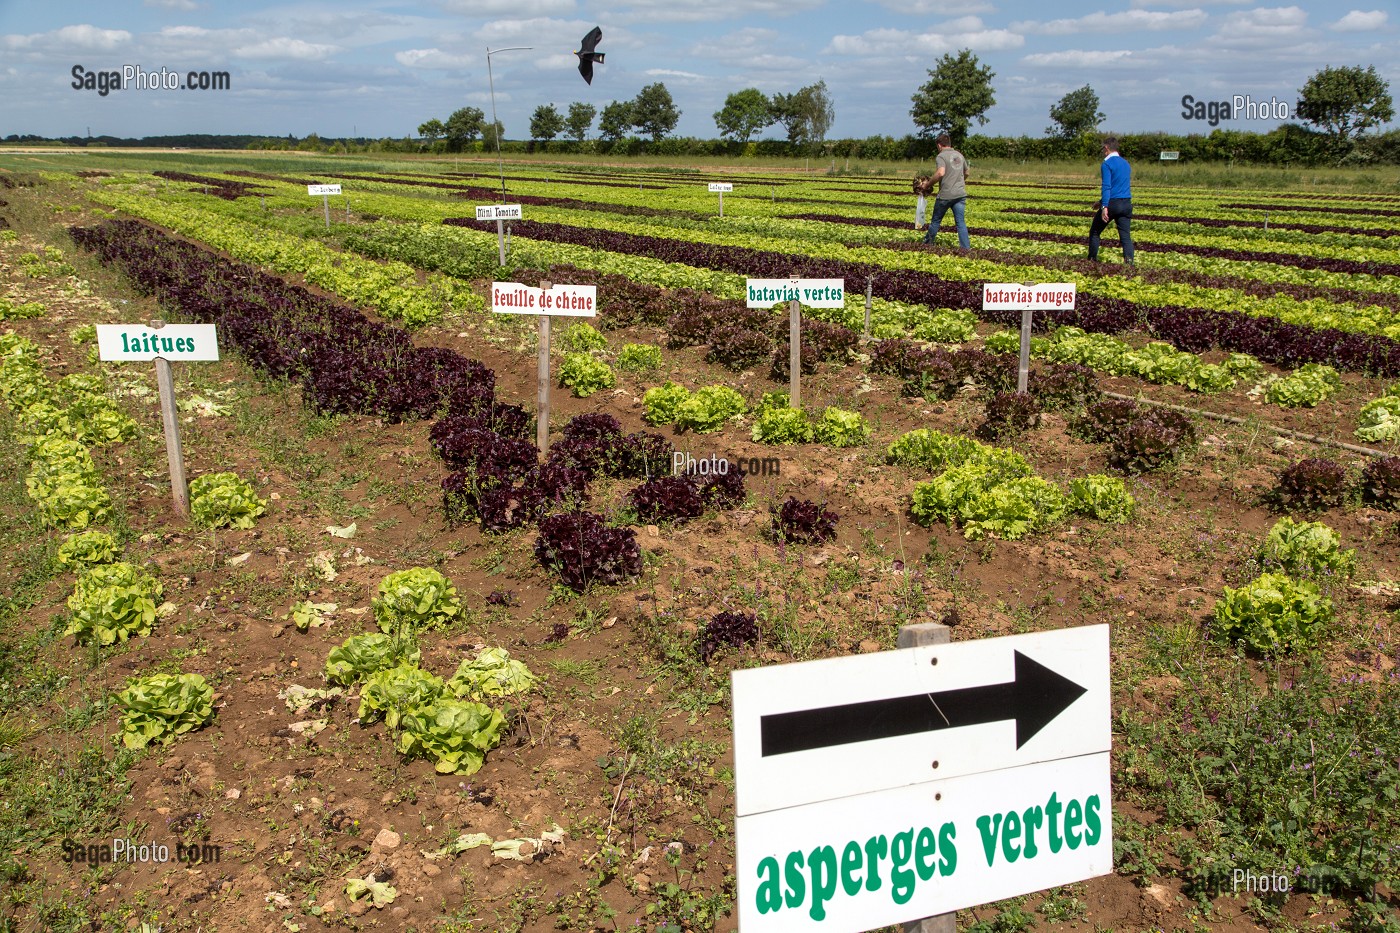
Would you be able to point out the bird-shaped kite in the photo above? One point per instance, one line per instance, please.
(586, 55)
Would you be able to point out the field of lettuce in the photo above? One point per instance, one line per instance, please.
(401, 671)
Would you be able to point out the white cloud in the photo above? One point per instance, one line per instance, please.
(750, 49)
(285, 48)
(1079, 58)
(939, 7)
(1140, 4)
(694, 11)
(1357, 21)
(435, 59)
(84, 37)
(1127, 21)
(182, 5)
(672, 73)
(964, 33)
(490, 8)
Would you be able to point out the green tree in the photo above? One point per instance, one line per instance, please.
(492, 133)
(432, 131)
(1077, 113)
(580, 119)
(745, 113)
(463, 126)
(1345, 101)
(615, 120)
(546, 122)
(654, 112)
(958, 91)
(806, 115)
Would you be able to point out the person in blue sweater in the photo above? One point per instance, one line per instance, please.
(1115, 201)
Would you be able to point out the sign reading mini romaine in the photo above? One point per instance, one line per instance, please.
(889, 787)
(498, 212)
(137, 343)
(811, 293)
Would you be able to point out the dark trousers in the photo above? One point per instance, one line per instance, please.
(1120, 211)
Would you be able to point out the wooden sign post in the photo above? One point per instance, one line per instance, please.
(720, 187)
(549, 299)
(324, 192)
(131, 343)
(814, 293)
(500, 213)
(1027, 297)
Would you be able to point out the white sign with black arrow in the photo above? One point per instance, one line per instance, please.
(887, 787)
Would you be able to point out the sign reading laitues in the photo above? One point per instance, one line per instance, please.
(721, 186)
(137, 343)
(888, 787)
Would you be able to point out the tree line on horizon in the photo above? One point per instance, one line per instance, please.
(1339, 104)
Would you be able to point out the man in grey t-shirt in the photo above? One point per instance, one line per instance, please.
(952, 191)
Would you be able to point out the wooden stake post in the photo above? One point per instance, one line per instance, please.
(1027, 297)
(169, 416)
(915, 636)
(542, 395)
(500, 213)
(546, 301)
(720, 187)
(159, 344)
(324, 192)
(815, 293)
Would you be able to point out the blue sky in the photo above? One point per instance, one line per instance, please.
(381, 67)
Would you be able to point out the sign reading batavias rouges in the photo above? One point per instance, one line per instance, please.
(1013, 296)
(813, 293)
(560, 300)
(137, 343)
(499, 212)
(317, 191)
(888, 787)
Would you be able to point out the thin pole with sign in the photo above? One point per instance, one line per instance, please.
(542, 395)
(795, 352)
(1023, 369)
(326, 203)
(869, 286)
(174, 453)
(159, 343)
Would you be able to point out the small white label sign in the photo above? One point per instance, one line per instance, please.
(721, 186)
(813, 293)
(561, 300)
(317, 191)
(1013, 296)
(137, 343)
(499, 212)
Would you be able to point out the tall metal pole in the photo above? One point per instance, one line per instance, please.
(495, 123)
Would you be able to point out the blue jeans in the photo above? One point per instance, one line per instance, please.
(939, 209)
(1120, 211)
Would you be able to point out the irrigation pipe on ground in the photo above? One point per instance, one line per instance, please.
(1233, 419)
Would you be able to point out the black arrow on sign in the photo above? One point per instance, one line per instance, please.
(1033, 698)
